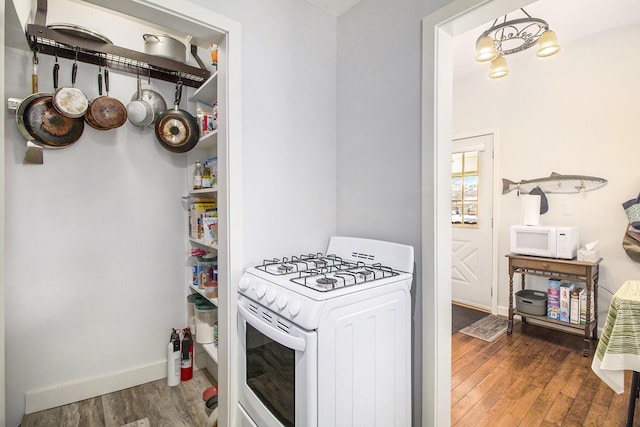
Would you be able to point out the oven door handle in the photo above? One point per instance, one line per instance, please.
(283, 338)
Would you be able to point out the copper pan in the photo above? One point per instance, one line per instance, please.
(105, 112)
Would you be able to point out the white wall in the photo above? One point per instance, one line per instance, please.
(289, 132)
(95, 238)
(574, 113)
(2, 239)
(379, 135)
(95, 249)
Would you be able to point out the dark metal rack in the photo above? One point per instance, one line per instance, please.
(45, 40)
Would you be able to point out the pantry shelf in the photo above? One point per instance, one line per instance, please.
(208, 92)
(209, 140)
(211, 350)
(214, 301)
(201, 243)
(210, 190)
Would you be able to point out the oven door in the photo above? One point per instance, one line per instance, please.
(278, 369)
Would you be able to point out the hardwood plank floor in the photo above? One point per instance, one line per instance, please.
(148, 405)
(535, 377)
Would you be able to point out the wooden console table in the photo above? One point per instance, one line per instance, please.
(551, 268)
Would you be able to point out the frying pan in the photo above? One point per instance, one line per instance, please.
(87, 116)
(176, 129)
(39, 122)
(70, 101)
(105, 112)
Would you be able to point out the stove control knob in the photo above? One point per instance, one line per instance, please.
(261, 291)
(282, 301)
(271, 296)
(294, 307)
(244, 283)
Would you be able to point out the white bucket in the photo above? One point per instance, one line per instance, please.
(206, 316)
(192, 300)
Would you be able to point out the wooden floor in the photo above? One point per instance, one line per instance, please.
(149, 405)
(535, 377)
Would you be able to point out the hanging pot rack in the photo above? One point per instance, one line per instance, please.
(44, 40)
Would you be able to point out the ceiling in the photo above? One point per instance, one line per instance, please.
(570, 19)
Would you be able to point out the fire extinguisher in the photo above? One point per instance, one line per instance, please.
(186, 370)
(173, 359)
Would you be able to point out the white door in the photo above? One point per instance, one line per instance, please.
(472, 218)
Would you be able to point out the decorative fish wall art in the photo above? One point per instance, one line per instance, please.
(555, 183)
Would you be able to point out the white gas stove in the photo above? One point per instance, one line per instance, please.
(295, 287)
(333, 330)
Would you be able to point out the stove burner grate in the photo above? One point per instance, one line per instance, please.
(302, 263)
(327, 279)
(325, 272)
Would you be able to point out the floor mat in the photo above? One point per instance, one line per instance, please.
(462, 316)
(488, 328)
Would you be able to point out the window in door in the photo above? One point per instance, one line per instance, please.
(464, 188)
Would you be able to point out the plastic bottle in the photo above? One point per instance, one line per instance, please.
(173, 359)
(214, 56)
(197, 176)
(206, 175)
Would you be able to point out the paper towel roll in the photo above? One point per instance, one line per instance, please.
(530, 213)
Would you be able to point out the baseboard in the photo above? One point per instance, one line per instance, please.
(503, 311)
(63, 394)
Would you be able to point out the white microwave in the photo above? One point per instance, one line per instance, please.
(545, 241)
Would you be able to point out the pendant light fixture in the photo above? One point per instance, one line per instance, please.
(486, 49)
(548, 44)
(511, 36)
(498, 68)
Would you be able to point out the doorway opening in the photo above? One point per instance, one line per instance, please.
(439, 28)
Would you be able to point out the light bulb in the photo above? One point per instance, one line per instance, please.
(498, 68)
(547, 44)
(485, 49)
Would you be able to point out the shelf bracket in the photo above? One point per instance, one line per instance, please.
(194, 52)
(41, 13)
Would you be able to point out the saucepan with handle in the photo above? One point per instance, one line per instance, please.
(141, 101)
(139, 111)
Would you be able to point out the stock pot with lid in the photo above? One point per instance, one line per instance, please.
(165, 46)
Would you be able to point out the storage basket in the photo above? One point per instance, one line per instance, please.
(531, 302)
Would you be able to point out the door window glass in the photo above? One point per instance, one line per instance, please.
(464, 188)
(271, 374)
